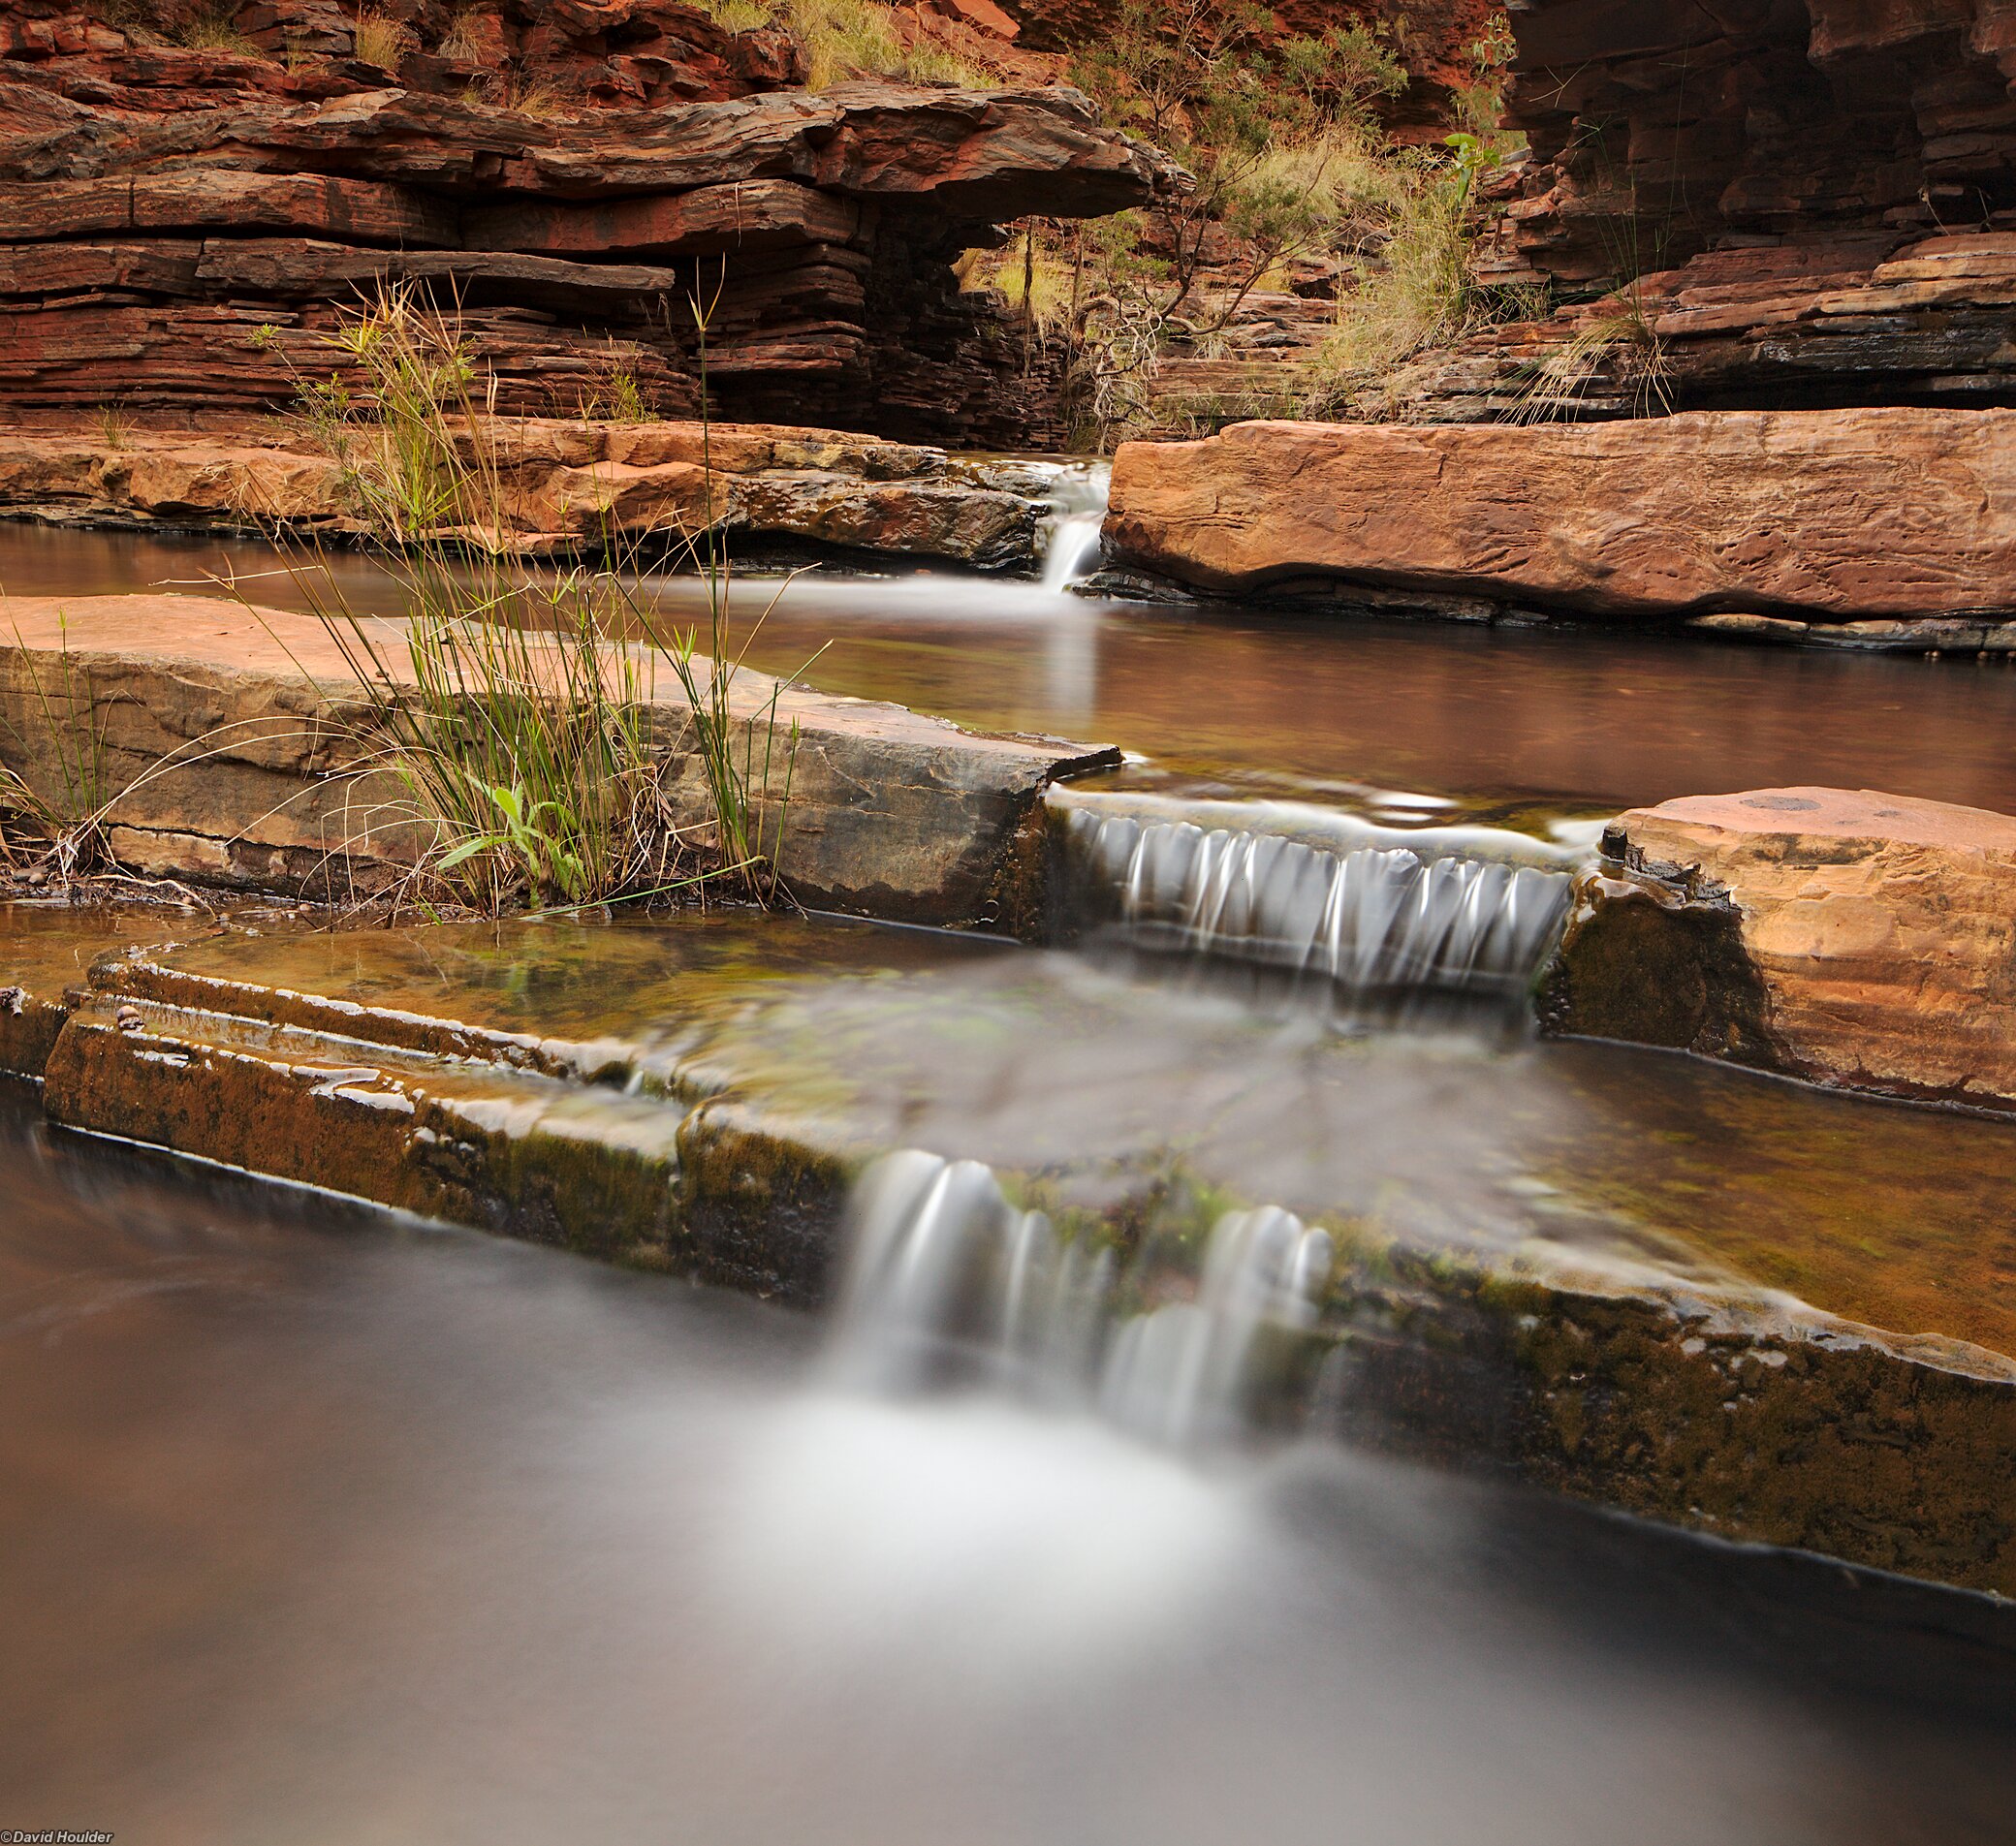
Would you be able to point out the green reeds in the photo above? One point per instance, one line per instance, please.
(517, 708)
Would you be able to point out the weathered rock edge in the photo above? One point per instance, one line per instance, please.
(1826, 516)
(1857, 940)
(1758, 1420)
(566, 486)
(892, 814)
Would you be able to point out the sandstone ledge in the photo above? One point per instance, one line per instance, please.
(1820, 516)
(568, 485)
(625, 1091)
(1858, 940)
(892, 814)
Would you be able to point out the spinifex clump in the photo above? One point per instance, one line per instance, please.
(516, 705)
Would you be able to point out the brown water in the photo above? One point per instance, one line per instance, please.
(1102, 1072)
(320, 1525)
(1363, 713)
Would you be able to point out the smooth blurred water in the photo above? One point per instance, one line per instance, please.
(1410, 723)
(317, 1524)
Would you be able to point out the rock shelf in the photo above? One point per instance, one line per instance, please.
(1822, 517)
(566, 486)
(696, 1095)
(890, 813)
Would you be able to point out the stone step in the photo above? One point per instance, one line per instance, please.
(696, 1096)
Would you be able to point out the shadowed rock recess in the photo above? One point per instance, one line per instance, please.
(181, 228)
(1813, 203)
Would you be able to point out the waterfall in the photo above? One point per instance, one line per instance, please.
(946, 1279)
(1072, 547)
(1371, 917)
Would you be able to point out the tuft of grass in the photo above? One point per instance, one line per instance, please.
(464, 38)
(215, 28)
(847, 39)
(617, 397)
(115, 431)
(68, 812)
(1616, 344)
(382, 40)
(518, 709)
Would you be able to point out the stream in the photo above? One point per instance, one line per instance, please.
(323, 1523)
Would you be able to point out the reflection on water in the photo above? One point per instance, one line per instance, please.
(1399, 718)
(320, 1525)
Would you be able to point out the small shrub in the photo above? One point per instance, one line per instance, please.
(846, 39)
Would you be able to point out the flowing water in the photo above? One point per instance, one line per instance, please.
(320, 1524)
(1409, 724)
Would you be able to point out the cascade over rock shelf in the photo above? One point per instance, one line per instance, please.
(695, 1096)
(1837, 517)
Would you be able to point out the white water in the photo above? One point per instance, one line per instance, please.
(1374, 918)
(946, 1277)
(1072, 548)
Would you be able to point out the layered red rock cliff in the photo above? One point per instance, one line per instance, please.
(1800, 202)
(180, 229)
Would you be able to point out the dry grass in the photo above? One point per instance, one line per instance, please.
(215, 29)
(846, 39)
(382, 40)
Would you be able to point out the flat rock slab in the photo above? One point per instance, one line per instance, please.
(1834, 515)
(270, 786)
(1571, 1260)
(567, 485)
(1856, 939)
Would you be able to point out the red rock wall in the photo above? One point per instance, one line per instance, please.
(181, 229)
(1665, 126)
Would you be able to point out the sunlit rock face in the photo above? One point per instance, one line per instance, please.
(1864, 940)
(182, 228)
(1836, 515)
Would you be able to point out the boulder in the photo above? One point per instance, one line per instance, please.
(1825, 516)
(1859, 940)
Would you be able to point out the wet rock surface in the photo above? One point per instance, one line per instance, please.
(1825, 516)
(273, 787)
(1587, 1285)
(564, 487)
(1860, 940)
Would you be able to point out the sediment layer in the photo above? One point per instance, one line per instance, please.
(184, 229)
(565, 485)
